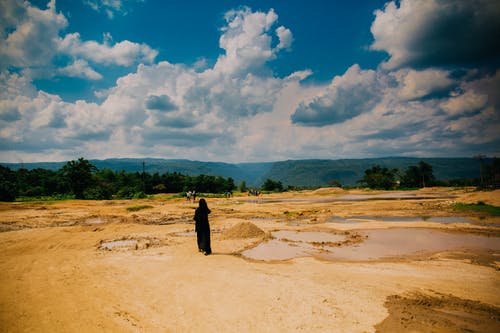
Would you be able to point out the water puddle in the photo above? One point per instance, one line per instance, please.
(439, 219)
(394, 196)
(127, 244)
(307, 236)
(122, 244)
(292, 244)
(94, 220)
(379, 244)
(400, 242)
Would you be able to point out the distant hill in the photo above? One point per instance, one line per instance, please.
(304, 173)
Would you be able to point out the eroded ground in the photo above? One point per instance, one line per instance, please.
(93, 266)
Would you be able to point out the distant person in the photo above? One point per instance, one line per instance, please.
(188, 196)
(202, 227)
(194, 196)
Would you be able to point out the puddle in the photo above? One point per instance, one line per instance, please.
(386, 243)
(123, 244)
(94, 220)
(130, 244)
(393, 196)
(278, 250)
(307, 236)
(441, 219)
(292, 244)
(380, 244)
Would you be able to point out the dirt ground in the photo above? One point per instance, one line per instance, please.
(94, 266)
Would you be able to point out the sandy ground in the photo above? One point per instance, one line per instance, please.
(56, 274)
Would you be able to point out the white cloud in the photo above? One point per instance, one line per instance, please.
(346, 97)
(239, 111)
(29, 35)
(111, 7)
(80, 68)
(430, 33)
(247, 42)
(124, 53)
(285, 36)
(418, 84)
(465, 103)
(31, 40)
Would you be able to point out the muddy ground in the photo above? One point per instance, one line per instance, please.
(95, 266)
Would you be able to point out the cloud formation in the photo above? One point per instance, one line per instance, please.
(110, 7)
(31, 40)
(437, 33)
(420, 102)
(347, 96)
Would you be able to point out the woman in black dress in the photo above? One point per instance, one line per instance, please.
(202, 227)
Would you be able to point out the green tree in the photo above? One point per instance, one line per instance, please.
(8, 187)
(378, 177)
(79, 175)
(271, 185)
(418, 176)
(243, 186)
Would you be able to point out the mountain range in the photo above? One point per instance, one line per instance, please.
(302, 173)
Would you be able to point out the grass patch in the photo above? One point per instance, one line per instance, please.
(480, 206)
(138, 207)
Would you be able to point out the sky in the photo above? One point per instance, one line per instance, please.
(248, 81)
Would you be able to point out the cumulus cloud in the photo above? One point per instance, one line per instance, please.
(238, 110)
(285, 36)
(162, 102)
(437, 33)
(418, 84)
(31, 39)
(29, 34)
(347, 96)
(80, 68)
(468, 102)
(247, 42)
(124, 53)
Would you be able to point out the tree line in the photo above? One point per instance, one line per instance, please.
(80, 179)
(421, 175)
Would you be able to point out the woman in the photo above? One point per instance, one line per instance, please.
(202, 227)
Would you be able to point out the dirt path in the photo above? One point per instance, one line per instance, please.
(56, 278)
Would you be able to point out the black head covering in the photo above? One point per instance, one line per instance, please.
(203, 206)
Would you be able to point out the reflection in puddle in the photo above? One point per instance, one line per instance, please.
(381, 243)
(307, 236)
(439, 219)
(387, 243)
(394, 196)
(291, 244)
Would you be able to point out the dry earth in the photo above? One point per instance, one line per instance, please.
(94, 266)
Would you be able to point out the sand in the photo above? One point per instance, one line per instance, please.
(243, 230)
(56, 275)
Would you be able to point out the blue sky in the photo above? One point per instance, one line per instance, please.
(241, 81)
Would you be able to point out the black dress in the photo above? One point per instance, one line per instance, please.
(202, 229)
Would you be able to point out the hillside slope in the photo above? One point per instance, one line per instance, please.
(304, 173)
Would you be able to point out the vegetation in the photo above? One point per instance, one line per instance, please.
(378, 177)
(138, 207)
(272, 186)
(82, 180)
(479, 207)
(418, 176)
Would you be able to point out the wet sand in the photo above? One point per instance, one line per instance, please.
(93, 266)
